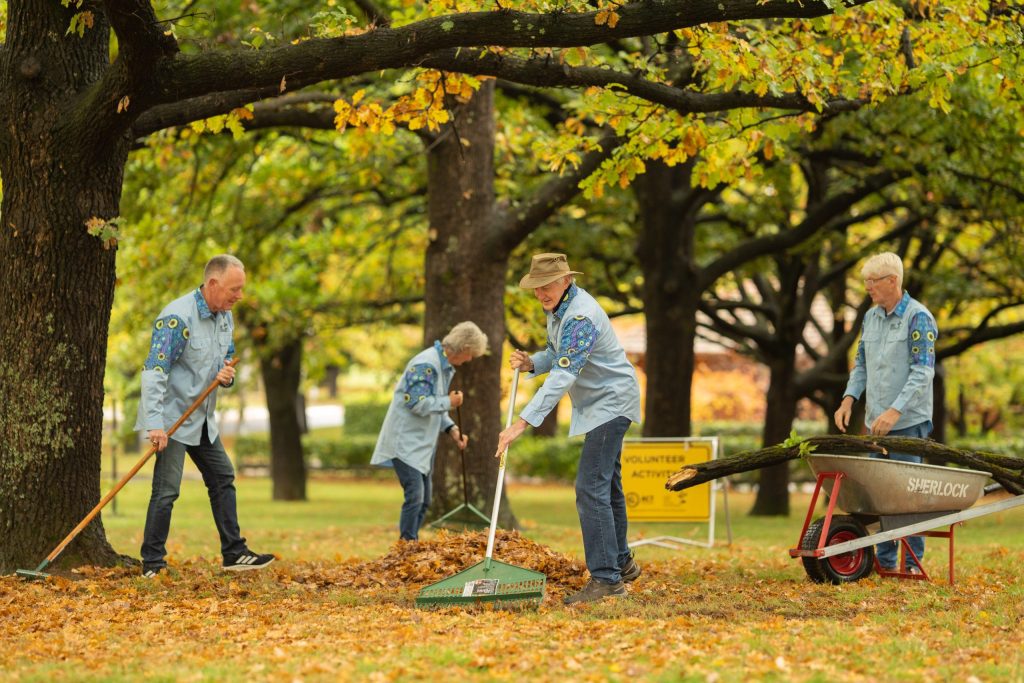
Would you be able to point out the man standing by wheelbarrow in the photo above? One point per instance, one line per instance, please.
(584, 358)
(192, 342)
(895, 363)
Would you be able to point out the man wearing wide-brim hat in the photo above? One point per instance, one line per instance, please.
(584, 358)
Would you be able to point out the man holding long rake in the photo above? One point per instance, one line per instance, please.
(192, 344)
(584, 358)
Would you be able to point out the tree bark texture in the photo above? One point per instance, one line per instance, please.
(671, 295)
(780, 411)
(282, 372)
(1006, 470)
(549, 427)
(465, 280)
(58, 286)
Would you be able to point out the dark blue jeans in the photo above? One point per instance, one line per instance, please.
(600, 502)
(219, 477)
(416, 486)
(888, 551)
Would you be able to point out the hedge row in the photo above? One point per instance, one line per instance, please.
(349, 452)
(552, 459)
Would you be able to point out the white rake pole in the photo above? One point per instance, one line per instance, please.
(501, 471)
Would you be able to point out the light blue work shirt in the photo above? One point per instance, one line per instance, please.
(418, 413)
(189, 347)
(584, 358)
(896, 363)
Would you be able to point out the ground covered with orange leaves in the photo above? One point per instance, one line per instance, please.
(735, 616)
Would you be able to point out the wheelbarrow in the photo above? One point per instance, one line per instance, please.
(884, 500)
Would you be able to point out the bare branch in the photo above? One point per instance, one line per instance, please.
(815, 221)
(555, 194)
(141, 40)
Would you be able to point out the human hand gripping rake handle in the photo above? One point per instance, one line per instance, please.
(501, 469)
(124, 480)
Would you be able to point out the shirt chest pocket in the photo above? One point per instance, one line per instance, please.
(210, 343)
(896, 333)
(200, 345)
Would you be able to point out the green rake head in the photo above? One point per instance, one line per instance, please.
(505, 585)
(34, 575)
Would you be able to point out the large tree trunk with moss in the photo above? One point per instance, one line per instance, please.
(282, 372)
(466, 281)
(58, 286)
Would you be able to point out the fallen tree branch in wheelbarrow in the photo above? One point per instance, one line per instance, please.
(1008, 471)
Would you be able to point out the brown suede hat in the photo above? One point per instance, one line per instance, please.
(545, 269)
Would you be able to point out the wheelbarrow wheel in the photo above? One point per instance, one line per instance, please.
(844, 568)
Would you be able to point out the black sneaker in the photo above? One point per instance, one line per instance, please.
(247, 560)
(596, 590)
(152, 572)
(631, 571)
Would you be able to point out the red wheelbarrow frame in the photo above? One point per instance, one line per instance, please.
(905, 550)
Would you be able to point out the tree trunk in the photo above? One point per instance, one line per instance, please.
(282, 371)
(465, 280)
(330, 382)
(671, 295)
(549, 427)
(58, 287)
(939, 412)
(773, 489)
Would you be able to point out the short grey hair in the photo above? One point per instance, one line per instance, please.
(220, 263)
(881, 265)
(466, 336)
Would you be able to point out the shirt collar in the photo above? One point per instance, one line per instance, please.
(901, 307)
(567, 298)
(444, 359)
(204, 309)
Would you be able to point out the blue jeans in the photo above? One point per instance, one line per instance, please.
(888, 551)
(219, 477)
(416, 486)
(600, 502)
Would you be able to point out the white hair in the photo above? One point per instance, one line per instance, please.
(216, 266)
(466, 336)
(882, 265)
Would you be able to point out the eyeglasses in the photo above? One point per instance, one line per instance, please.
(871, 281)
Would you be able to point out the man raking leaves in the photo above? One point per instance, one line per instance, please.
(193, 340)
(584, 359)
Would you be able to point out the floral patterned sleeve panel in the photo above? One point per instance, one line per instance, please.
(923, 334)
(419, 384)
(170, 335)
(578, 337)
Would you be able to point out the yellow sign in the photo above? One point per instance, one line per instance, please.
(645, 467)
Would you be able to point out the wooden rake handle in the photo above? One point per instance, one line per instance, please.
(132, 472)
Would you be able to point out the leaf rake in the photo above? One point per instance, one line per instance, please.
(489, 581)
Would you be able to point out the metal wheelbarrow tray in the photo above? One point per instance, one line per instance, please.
(872, 486)
(901, 498)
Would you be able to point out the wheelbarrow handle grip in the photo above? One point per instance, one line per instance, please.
(131, 473)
